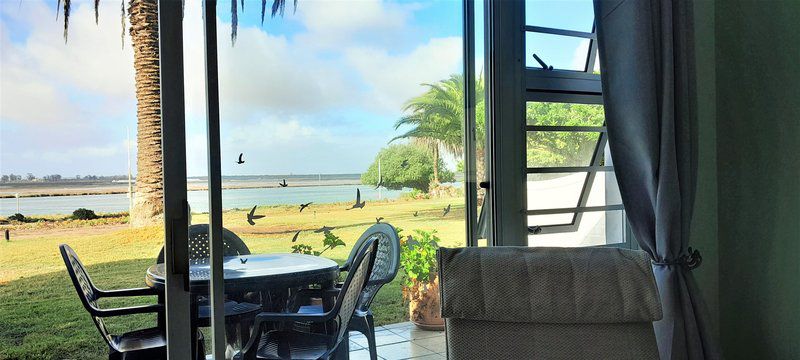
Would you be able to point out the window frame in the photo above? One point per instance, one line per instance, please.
(576, 87)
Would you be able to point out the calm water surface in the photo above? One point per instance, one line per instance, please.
(198, 200)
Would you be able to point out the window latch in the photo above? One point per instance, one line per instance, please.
(535, 230)
(541, 63)
(484, 184)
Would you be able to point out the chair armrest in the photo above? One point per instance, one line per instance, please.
(127, 292)
(141, 309)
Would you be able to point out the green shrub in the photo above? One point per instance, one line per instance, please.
(84, 214)
(330, 242)
(405, 166)
(17, 217)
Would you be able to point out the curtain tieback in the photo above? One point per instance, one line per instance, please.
(691, 260)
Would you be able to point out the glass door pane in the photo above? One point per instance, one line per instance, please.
(319, 141)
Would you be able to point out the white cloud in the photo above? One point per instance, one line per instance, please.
(42, 76)
(320, 97)
(394, 78)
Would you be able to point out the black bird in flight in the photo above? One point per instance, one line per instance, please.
(359, 204)
(446, 210)
(252, 216)
(304, 206)
(243, 260)
(378, 220)
(240, 161)
(324, 229)
(283, 184)
(404, 164)
(294, 238)
(416, 213)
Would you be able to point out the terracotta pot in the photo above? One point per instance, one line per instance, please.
(425, 307)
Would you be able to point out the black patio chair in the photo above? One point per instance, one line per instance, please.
(146, 344)
(199, 247)
(387, 263)
(240, 310)
(292, 344)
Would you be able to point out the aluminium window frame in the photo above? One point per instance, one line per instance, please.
(570, 86)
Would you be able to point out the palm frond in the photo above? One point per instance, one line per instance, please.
(263, 9)
(122, 23)
(67, 6)
(234, 22)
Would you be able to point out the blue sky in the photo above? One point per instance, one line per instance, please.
(317, 91)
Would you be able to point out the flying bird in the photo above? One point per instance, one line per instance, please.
(324, 229)
(446, 210)
(283, 184)
(416, 213)
(359, 204)
(252, 216)
(304, 206)
(378, 220)
(404, 164)
(240, 161)
(243, 260)
(294, 238)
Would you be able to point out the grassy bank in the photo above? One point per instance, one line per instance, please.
(42, 317)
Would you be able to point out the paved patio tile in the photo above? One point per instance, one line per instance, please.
(406, 324)
(403, 350)
(435, 344)
(413, 333)
(384, 337)
(362, 354)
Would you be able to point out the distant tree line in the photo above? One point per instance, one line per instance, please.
(29, 177)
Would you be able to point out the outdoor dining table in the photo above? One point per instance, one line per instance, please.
(273, 273)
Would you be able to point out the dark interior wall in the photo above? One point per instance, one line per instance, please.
(758, 177)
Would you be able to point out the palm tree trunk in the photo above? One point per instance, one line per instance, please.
(436, 163)
(148, 207)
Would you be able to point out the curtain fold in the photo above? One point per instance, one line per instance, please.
(646, 54)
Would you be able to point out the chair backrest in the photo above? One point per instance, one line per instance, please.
(87, 292)
(199, 247)
(387, 260)
(571, 303)
(350, 294)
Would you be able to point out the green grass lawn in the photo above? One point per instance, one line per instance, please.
(42, 318)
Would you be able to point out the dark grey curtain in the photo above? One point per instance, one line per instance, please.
(647, 62)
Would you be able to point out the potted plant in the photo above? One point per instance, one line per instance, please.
(420, 280)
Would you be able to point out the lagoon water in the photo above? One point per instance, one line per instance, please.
(198, 200)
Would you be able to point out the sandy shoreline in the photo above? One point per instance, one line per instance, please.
(106, 188)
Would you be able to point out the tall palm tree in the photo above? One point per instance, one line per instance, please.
(148, 206)
(437, 118)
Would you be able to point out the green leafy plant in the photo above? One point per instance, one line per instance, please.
(330, 242)
(418, 257)
(17, 217)
(405, 166)
(84, 214)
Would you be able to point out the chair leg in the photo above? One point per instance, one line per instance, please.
(369, 332)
